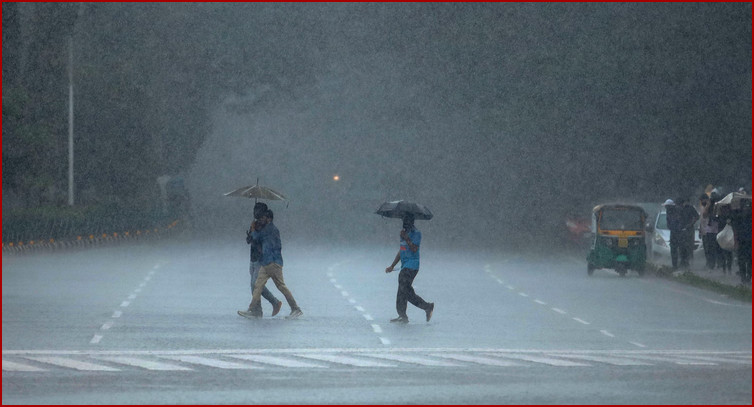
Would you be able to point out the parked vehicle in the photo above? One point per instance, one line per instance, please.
(660, 246)
(619, 239)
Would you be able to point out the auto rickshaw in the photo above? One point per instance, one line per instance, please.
(619, 239)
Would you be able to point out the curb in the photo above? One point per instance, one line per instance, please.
(51, 245)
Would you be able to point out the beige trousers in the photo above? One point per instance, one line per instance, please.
(272, 271)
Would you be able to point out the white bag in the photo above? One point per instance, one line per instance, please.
(726, 239)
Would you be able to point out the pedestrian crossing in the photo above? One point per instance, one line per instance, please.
(36, 362)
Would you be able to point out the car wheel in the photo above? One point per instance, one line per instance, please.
(589, 269)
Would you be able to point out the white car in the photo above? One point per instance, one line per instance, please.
(661, 242)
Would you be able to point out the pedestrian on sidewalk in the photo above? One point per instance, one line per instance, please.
(708, 229)
(408, 255)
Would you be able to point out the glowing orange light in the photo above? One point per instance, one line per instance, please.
(336, 177)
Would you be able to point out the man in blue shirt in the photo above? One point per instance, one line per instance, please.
(409, 257)
(272, 264)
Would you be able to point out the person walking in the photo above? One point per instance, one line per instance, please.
(408, 255)
(271, 264)
(254, 265)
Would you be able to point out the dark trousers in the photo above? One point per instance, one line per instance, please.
(406, 292)
(744, 259)
(681, 246)
(711, 250)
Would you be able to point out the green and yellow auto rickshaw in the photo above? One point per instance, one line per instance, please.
(619, 239)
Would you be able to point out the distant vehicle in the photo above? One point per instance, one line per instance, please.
(661, 241)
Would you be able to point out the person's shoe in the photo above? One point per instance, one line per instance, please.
(276, 308)
(430, 310)
(295, 314)
(400, 320)
(249, 314)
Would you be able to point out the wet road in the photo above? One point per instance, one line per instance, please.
(157, 324)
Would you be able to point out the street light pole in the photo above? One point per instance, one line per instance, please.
(70, 121)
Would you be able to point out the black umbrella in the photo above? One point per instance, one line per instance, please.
(397, 209)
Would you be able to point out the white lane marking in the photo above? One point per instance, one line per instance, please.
(277, 361)
(523, 294)
(352, 301)
(334, 281)
(603, 359)
(344, 360)
(125, 304)
(20, 367)
(416, 360)
(606, 333)
(540, 359)
(199, 360)
(499, 280)
(510, 287)
(71, 363)
(540, 302)
(368, 317)
(476, 359)
(581, 321)
(385, 341)
(106, 326)
(344, 293)
(376, 328)
(117, 314)
(132, 297)
(641, 345)
(142, 363)
(359, 308)
(338, 286)
(96, 339)
(559, 311)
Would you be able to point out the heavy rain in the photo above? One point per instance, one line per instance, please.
(505, 119)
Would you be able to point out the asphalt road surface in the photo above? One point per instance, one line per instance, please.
(156, 324)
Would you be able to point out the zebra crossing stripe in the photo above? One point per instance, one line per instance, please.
(416, 360)
(603, 359)
(672, 359)
(71, 363)
(221, 364)
(477, 359)
(540, 359)
(344, 360)
(277, 361)
(20, 367)
(720, 359)
(143, 363)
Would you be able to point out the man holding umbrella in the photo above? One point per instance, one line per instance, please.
(409, 257)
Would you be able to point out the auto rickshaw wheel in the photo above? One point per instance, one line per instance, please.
(589, 269)
(621, 269)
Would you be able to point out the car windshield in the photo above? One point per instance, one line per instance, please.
(621, 219)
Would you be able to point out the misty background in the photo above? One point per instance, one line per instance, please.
(503, 119)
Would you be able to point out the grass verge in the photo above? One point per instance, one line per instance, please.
(740, 292)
